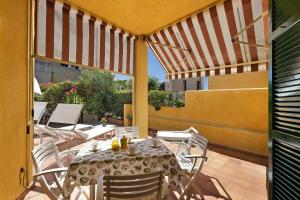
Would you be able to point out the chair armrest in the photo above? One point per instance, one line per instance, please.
(72, 151)
(191, 130)
(196, 156)
(173, 142)
(51, 171)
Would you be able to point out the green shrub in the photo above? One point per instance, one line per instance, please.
(100, 94)
(56, 93)
(159, 98)
(177, 103)
(121, 98)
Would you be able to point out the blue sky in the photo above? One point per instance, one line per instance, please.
(154, 68)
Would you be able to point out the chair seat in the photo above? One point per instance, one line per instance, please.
(78, 194)
(39, 128)
(77, 127)
(173, 135)
(186, 164)
(148, 197)
(88, 132)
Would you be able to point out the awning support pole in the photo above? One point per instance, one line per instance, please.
(249, 25)
(253, 45)
(185, 57)
(140, 88)
(165, 45)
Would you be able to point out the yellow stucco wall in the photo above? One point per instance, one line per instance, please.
(127, 111)
(242, 80)
(13, 95)
(233, 118)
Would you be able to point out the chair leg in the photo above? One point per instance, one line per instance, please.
(41, 137)
(184, 191)
(187, 187)
(92, 191)
(199, 191)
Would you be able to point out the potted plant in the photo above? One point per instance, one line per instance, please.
(103, 121)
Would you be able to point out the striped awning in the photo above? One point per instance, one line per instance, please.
(227, 38)
(67, 34)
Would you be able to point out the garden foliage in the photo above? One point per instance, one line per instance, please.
(101, 94)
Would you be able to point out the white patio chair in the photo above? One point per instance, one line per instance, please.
(193, 163)
(51, 180)
(182, 138)
(133, 187)
(176, 135)
(131, 132)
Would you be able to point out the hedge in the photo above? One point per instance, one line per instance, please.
(97, 92)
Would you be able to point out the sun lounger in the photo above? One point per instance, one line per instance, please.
(64, 115)
(39, 110)
(68, 114)
(92, 132)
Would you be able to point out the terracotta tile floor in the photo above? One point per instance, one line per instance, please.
(227, 174)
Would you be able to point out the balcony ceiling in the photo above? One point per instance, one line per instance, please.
(142, 17)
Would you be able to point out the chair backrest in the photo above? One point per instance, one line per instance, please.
(41, 155)
(39, 110)
(191, 130)
(43, 152)
(66, 114)
(128, 131)
(133, 186)
(201, 143)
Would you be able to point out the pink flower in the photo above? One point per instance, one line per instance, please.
(74, 88)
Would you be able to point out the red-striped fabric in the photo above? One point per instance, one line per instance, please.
(208, 37)
(67, 34)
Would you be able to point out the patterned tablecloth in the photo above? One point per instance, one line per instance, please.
(88, 166)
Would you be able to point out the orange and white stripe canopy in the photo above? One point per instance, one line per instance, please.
(68, 34)
(208, 43)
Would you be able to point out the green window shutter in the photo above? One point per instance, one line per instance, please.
(286, 173)
(286, 81)
(279, 14)
(284, 136)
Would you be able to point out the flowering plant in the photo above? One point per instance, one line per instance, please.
(71, 94)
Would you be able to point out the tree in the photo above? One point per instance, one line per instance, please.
(120, 85)
(96, 89)
(129, 84)
(162, 86)
(152, 83)
(123, 85)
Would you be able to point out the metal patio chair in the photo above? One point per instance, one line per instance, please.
(192, 164)
(145, 186)
(182, 138)
(131, 132)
